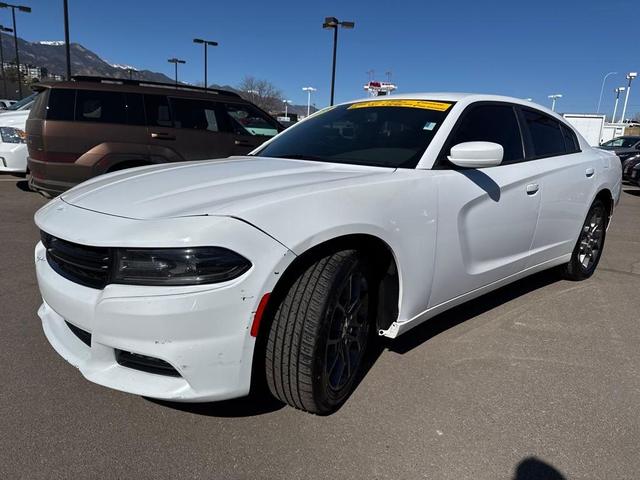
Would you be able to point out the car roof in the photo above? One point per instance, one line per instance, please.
(134, 86)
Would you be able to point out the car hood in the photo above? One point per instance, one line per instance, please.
(212, 187)
(14, 119)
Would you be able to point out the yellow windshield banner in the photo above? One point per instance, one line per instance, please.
(424, 104)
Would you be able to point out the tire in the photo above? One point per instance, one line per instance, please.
(588, 250)
(315, 350)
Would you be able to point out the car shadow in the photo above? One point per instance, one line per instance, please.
(24, 186)
(251, 406)
(635, 193)
(457, 315)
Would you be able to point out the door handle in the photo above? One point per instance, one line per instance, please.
(162, 136)
(589, 172)
(244, 143)
(532, 188)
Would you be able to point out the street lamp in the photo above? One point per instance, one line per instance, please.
(176, 61)
(4, 77)
(332, 22)
(617, 91)
(286, 107)
(67, 48)
(205, 43)
(24, 9)
(553, 100)
(309, 90)
(630, 77)
(602, 88)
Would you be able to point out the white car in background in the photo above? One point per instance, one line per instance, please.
(183, 281)
(13, 139)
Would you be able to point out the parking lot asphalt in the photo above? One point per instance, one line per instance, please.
(539, 380)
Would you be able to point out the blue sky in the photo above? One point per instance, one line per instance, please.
(521, 48)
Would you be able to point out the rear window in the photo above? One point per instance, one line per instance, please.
(61, 104)
(195, 114)
(158, 113)
(546, 135)
(100, 106)
(39, 106)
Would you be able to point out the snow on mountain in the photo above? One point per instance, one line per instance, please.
(56, 43)
(124, 67)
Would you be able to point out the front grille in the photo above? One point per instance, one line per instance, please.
(145, 363)
(88, 266)
(83, 335)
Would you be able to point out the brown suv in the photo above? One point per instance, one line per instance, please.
(89, 126)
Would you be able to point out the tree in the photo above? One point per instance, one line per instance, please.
(262, 93)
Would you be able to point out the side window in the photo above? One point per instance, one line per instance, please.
(195, 114)
(100, 106)
(61, 104)
(571, 143)
(546, 135)
(157, 109)
(491, 123)
(247, 120)
(134, 107)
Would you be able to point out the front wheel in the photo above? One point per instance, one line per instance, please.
(588, 250)
(319, 333)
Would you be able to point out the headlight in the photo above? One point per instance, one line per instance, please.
(13, 135)
(178, 266)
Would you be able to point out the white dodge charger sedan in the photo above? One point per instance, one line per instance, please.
(188, 281)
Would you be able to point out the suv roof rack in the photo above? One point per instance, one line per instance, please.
(144, 83)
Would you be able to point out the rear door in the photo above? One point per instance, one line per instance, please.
(567, 182)
(250, 126)
(486, 217)
(187, 128)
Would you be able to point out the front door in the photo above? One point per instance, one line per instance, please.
(486, 217)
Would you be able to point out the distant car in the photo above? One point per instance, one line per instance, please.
(89, 126)
(5, 104)
(182, 281)
(625, 147)
(13, 139)
(628, 166)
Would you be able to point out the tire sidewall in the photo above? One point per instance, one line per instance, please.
(576, 269)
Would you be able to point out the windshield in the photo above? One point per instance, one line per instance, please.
(19, 105)
(621, 142)
(385, 133)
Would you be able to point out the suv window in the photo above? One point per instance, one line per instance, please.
(195, 114)
(546, 135)
(100, 106)
(247, 120)
(39, 108)
(61, 104)
(490, 123)
(158, 113)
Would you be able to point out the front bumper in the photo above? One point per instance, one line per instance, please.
(13, 157)
(201, 331)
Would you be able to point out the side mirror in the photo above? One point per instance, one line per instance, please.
(476, 154)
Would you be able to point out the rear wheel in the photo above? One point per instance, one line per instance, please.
(588, 250)
(320, 332)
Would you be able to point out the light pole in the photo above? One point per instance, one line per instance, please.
(332, 22)
(286, 107)
(67, 48)
(4, 77)
(617, 91)
(553, 100)
(20, 8)
(630, 77)
(176, 61)
(205, 43)
(602, 89)
(309, 90)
